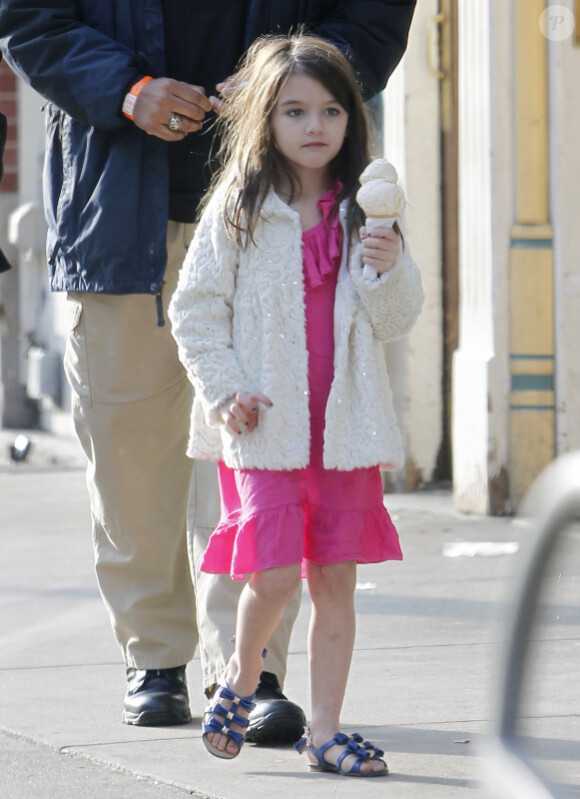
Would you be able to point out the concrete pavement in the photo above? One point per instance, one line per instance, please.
(428, 642)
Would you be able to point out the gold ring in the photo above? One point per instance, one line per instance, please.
(175, 123)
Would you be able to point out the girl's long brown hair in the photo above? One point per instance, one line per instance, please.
(251, 164)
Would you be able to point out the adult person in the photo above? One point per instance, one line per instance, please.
(128, 84)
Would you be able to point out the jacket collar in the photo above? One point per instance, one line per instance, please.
(275, 206)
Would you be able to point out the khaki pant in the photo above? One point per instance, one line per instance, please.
(131, 407)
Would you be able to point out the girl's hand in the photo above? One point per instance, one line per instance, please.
(242, 412)
(380, 248)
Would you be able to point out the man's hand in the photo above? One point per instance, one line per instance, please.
(161, 99)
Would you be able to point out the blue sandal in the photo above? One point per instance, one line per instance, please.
(223, 718)
(375, 752)
(363, 751)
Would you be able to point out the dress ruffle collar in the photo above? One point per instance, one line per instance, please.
(322, 244)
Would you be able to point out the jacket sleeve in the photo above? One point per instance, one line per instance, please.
(392, 300)
(70, 63)
(201, 313)
(373, 33)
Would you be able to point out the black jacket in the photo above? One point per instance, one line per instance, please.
(106, 181)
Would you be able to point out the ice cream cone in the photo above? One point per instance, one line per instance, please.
(380, 197)
(372, 222)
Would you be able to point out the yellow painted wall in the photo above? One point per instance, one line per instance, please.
(531, 306)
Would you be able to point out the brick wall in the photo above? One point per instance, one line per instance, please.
(8, 106)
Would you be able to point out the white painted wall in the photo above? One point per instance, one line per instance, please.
(564, 69)
(412, 143)
(41, 312)
(502, 215)
(31, 136)
(487, 180)
(470, 425)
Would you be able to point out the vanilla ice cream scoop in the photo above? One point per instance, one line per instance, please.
(379, 198)
(380, 168)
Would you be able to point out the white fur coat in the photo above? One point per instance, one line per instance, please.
(238, 319)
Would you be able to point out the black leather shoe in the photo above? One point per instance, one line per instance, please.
(275, 719)
(156, 697)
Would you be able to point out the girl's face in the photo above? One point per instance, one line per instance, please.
(308, 124)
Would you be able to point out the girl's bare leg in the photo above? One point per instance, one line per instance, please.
(330, 646)
(261, 604)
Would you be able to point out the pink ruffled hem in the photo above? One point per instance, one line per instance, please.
(242, 544)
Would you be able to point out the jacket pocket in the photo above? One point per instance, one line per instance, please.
(76, 365)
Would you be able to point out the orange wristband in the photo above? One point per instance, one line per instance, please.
(132, 95)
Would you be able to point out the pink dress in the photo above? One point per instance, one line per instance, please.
(280, 518)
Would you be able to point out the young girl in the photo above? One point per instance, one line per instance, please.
(281, 333)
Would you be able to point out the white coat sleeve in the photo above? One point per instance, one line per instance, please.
(393, 299)
(201, 314)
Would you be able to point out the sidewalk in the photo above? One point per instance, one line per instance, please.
(421, 684)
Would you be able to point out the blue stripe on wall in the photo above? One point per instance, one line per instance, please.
(528, 357)
(532, 407)
(531, 244)
(532, 382)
